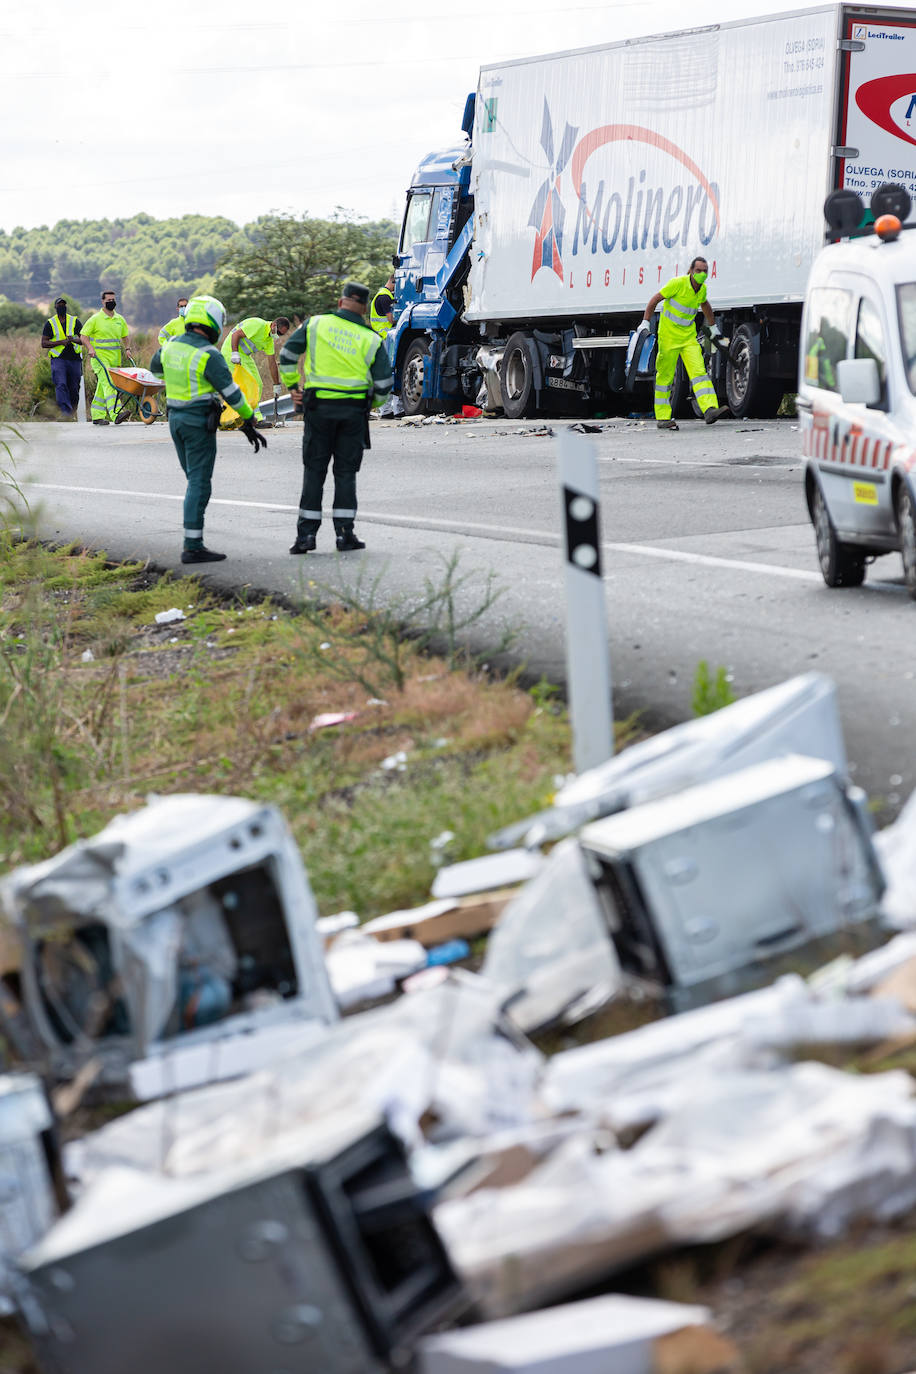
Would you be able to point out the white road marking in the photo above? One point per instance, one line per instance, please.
(704, 560)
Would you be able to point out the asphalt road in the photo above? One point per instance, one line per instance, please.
(708, 552)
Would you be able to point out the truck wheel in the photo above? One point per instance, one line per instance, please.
(842, 565)
(412, 374)
(681, 393)
(516, 378)
(906, 524)
(749, 394)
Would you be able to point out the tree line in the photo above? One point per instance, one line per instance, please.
(278, 264)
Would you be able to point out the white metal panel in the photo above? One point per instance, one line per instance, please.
(599, 174)
(881, 104)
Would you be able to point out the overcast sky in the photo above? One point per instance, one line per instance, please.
(237, 108)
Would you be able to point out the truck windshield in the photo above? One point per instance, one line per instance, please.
(906, 309)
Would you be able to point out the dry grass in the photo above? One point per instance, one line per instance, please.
(224, 701)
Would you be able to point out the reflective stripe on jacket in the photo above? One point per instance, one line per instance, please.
(338, 358)
(59, 332)
(679, 308)
(379, 322)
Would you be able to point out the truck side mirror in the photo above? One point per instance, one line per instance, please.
(858, 381)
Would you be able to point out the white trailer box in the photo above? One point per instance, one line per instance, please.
(598, 174)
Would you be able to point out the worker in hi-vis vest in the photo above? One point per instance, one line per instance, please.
(345, 374)
(680, 299)
(251, 336)
(381, 309)
(196, 376)
(61, 340)
(103, 336)
(175, 326)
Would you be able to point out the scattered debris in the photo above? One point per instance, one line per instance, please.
(328, 718)
(87, 656)
(179, 952)
(486, 873)
(446, 919)
(799, 716)
(320, 1242)
(635, 1335)
(362, 969)
(585, 427)
(173, 931)
(395, 763)
(166, 617)
(545, 965)
(26, 1190)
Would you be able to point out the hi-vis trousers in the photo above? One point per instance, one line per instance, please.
(695, 366)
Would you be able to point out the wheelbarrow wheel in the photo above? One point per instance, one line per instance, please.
(149, 410)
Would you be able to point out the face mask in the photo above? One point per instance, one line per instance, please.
(182, 309)
(109, 305)
(699, 277)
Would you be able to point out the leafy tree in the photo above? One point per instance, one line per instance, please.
(296, 266)
(12, 275)
(13, 316)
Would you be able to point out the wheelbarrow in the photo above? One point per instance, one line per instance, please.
(138, 391)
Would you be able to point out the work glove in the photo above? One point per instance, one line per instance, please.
(277, 389)
(642, 328)
(255, 439)
(718, 339)
(235, 358)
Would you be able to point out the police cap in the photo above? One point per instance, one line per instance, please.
(356, 291)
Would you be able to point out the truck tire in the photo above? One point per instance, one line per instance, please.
(906, 524)
(842, 565)
(681, 394)
(516, 377)
(747, 393)
(412, 372)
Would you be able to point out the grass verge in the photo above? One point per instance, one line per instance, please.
(100, 705)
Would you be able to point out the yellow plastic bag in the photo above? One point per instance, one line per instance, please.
(251, 390)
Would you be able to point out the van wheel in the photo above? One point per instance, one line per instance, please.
(842, 565)
(516, 378)
(747, 393)
(906, 524)
(412, 375)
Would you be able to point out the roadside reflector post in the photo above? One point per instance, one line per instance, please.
(588, 659)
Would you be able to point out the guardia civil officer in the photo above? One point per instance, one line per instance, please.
(196, 375)
(680, 299)
(346, 374)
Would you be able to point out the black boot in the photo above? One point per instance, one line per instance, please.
(201, 556)
(305, 543)
(347, 542)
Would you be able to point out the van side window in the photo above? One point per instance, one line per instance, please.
(906, 308)
(870, 344)
(416, 220)
(829, 319)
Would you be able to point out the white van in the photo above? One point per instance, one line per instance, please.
(857, 389)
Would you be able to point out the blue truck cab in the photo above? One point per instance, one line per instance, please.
(430, 269)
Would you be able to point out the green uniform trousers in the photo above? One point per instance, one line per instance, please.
(105, 399)
(333, 430)
(196, 449)
(695, 367)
